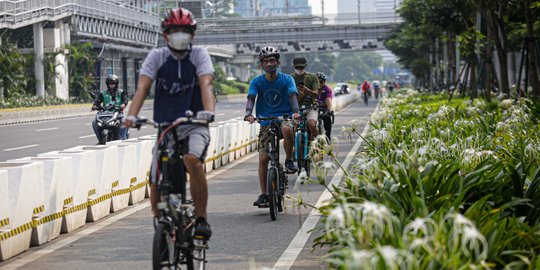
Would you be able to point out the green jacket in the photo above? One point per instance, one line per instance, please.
(105, 96)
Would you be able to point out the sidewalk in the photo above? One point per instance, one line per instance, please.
(36, 114)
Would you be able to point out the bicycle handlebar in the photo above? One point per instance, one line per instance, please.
(284, 117)
(181, 120)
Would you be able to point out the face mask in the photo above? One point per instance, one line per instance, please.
(299, 71)
(270, 68)
(179, 40)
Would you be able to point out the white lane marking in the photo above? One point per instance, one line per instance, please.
(46, 129)
(52, 247)
(87, 136)
(87, 124)
(220, 114)
(236, 111)
(289, 256)
(20, 147)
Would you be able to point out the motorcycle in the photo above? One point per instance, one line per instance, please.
(108, 122)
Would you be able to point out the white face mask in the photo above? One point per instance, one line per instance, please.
(180, 40)
(299, 71)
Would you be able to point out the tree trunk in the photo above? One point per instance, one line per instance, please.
(532, 53)
(489, 55)
(501, 42)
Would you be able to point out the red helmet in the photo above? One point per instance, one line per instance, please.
(179, 17)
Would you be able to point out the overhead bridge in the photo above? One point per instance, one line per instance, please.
(106, 20)
(296, 34)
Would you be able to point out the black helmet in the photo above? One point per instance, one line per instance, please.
(321, 76)
(112, 82)
(268, 52)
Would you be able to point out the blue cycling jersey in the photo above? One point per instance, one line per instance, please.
(272, 96)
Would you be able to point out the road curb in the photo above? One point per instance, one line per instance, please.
(13, 116)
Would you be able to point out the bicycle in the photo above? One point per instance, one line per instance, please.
(174, 242)
(301, 142)
(276, 180)
(366, 97)
(320, 122)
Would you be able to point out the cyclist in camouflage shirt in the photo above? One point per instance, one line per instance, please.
(308, 86)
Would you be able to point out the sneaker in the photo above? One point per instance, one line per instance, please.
(202, 229)
(262, 200)
(291, 167)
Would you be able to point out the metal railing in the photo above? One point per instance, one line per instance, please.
(15, 14)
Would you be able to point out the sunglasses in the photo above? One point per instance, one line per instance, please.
(299, 67)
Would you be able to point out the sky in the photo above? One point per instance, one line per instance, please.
(330, 6)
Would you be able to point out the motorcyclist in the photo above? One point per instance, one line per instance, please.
(112, 96)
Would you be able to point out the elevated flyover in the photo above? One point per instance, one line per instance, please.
(298, 33)
(107, 20)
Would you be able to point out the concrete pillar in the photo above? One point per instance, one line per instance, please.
(67, 34)
(38, 60)
(54, 41)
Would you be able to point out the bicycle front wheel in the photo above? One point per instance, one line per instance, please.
(273, 191)
(301, 140)
(163, 248)
(196, 259)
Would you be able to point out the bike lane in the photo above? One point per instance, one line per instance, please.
(244, 237)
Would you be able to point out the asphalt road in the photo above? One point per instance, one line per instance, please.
(244, 236)
(25, 140)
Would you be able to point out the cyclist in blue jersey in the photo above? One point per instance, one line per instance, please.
(275, 94)
(183, 77)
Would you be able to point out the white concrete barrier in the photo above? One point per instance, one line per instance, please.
(127, 174)
(83, 185)
(226, 143)
(143, 159)
(152, 139)
(211, 151)
(25, 199)
(219, 147)
(254, 135)
(57, 174)
(234, 140)
(100, 198)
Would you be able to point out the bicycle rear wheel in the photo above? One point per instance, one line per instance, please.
(163, 248)
(273, 191)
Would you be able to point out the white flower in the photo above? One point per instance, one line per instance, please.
(301, 179)
(337, 217)
(505, 104)
(473, 243)
(419, 227)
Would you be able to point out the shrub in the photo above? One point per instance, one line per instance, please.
(438, 185)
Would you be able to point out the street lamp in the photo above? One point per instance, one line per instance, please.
(358, 7)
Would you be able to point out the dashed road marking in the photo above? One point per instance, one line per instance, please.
(20, 147)
(46, 129)
(87, 136)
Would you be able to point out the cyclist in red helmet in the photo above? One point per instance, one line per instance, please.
(183, 77)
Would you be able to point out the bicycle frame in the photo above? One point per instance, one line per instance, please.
(301, 141)
(177, 215)
(276, 180)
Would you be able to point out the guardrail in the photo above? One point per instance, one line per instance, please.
(60, 191)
